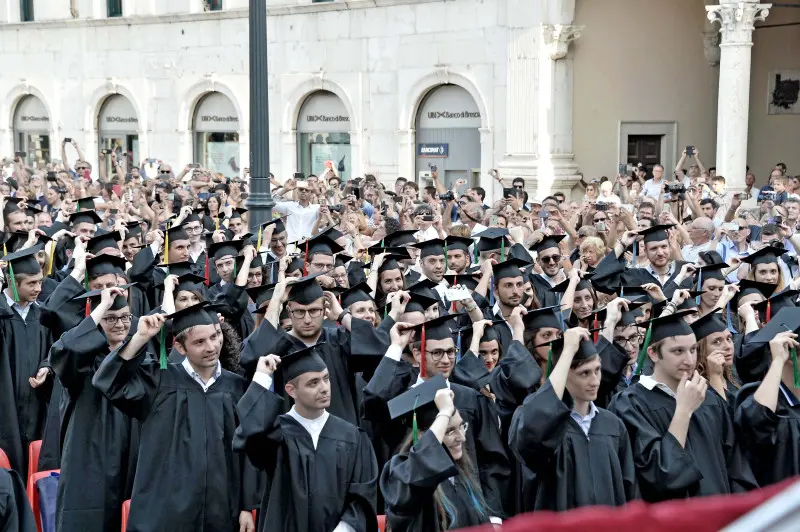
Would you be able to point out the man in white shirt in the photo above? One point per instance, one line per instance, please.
(700, 230)
(653, 187)
(303, 213)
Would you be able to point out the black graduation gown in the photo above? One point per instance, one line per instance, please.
(48, 287)
(710, 464)
(752, 360)
(335, 352)
(15, 512)
(484, 444)
(613, 360)
(409, 481)
(187, 475)
(573, 469)
(770, 439)
(145, 272)
(544, 291)
(307, 489)
(23, 349)
(100, 442)
(233, 299)
(515, 377)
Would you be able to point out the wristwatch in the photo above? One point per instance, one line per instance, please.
(344, 313)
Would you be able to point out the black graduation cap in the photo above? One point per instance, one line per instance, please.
(84, 217)
(586, 350)
(33, 209)
(95, 296)
(561, 287)
(322, 244)
(399, 238)
(550, 241)
(260, 294)
(178, 268)
(430, 248)
(435, 329)
(302, 361)
(661, 328)
(305, 290)
(459, 243)
(297, 263)
(770, 307)
(237, 212)
(519, 252)
(134, 229)
(748, 287)
(416, 405)
(766, 255)
(632, 293)
(657, 233)
(12, 204)
(191, 316)
(509, 268)
(466, 280)
(226, 248)
(187, 281)
(786, 319)
(417, 303)
(17, 239)
(24, 261)
(354, 294)
(196, 215)
(176, 232)
(278, 223)
(86, 204)
(710, 271)
(341, 259)
(105, 264)
(493, 238)
(543, 317)
(100, 242)
(709, 324)
(628, 316)
(401, 252)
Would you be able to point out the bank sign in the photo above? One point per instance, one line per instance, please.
(433, 150)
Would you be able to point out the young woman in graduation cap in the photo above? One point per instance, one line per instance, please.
(764, 267)
(431, 484)
(715, 350)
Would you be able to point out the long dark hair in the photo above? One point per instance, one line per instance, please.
(445, 508)
(231, 344)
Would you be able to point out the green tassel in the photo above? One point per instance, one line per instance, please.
(446, 266)
(414, 428)
(162, 355)
(643, 352)
(549, 368)
(385, 311)
(475, 252)
(86, 279)
(13, 282)
(795, 368)
(503, 249)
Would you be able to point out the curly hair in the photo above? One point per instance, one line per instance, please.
(231, 345)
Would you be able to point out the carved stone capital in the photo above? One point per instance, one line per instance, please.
(737, 19)
(556, 38)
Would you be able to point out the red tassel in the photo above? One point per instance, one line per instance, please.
(208, 276)
(455, 279)
(595, 326)
(305, 262)
(88, 308)
(769, 311)
(422, 371)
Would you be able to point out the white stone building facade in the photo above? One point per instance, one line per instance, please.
(545, 89)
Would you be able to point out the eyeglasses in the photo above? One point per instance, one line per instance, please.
(112, 320)
(79, 168)
(439, 354)
(274, 241)
(193, 230)
(519, 187)
(634, 340)
(300, 313)
(461, 428)
(551, 258)
(322, 267)
(340, 276)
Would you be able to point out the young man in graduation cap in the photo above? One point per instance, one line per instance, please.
(458, 255)
(15, 218)
(681, 433)
(274, 240)
(549, 259)
(509, 289)
(192, 225)
(92, 422)
(188, 421)
(432, 259)
(307, 305)
(319, 258)
(132, 240)
(235, 222)
(306, 440)
(767, 413)
(233, 270)
(581, 453)
(24, 343)
(437, 356)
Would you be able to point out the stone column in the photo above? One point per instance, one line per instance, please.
(736, 18)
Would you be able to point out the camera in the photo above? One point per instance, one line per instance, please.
(675, 188)
(447, 196)
(768, 195)
(599, 207)
(337, 208)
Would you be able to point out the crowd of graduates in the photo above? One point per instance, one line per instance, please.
(381, 350)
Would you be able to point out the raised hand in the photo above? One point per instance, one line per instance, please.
(691, 393)
(268, 364)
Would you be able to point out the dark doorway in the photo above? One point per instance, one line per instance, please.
(645, 149)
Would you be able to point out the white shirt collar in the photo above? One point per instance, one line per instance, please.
(22, 311)
(197, 378)
(313, 426)
(650, 383)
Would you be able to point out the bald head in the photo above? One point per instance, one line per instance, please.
(701, 230)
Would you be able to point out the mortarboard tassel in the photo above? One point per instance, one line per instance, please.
(162, 350)
(414, 427)
(385, 311)
(422, 364)
(475, 252)
(491, 293)
(503, 249)
(731, 328)
(13, 282)
(166, 247)
(458, 346)
(595, 326)
(446, 262)
(86, 287)
(454, 283)
(643, 352)
(549, 368)
(260, 234)
(769, 311)
(795, 367)
(621, 291)
(635, 245)
(234, 269)
(699, 286)
(305, 262)
(51, 258)
(560, 313)
(208, 278)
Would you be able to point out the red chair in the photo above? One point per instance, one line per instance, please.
(33, 493)
(4, 461)
(382, 523)
(34, 449)
(126, 511)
